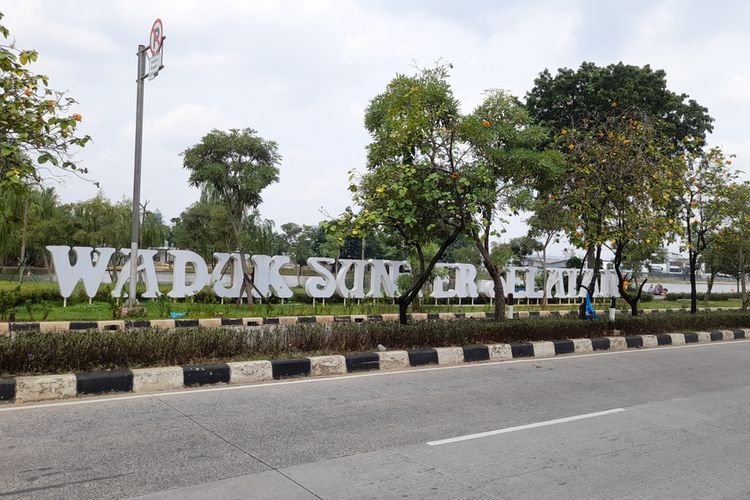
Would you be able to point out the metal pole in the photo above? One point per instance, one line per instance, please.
(132, 300)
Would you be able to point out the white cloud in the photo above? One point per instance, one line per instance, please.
(302, 73)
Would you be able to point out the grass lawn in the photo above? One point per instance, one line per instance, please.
(80, 309)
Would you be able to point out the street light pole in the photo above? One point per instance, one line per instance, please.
(135, 219)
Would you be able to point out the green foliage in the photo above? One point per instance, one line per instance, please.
(37, 130)
(233, 168)
(203, 227)
(703, 204)
(522, 247)
(571, 98)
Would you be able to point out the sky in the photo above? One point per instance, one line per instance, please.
(301, 73)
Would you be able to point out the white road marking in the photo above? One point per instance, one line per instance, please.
(524, 427)
(189, 391)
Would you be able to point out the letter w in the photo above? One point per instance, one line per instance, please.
(87, 269)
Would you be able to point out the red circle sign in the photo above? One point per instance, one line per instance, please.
(156, 38)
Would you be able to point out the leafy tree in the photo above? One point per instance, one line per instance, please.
(574, 262)
(547, 222)
(521, 247)
(738, 217)
(409, 189)
(501, 255)
(727, 255)
(463, 250)
(506, 162)
(203, 227)
(572, 98)
(620, 187)
(703, 205)
(584, 100)
(35, 125)
(235, 166)
(300, 242)
(260, 237)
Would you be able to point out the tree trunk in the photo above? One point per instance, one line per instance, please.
(23, 239)
(544, 276)
(494, 273)
(632, 300)
(693, 258)
(403, 307)
(412, 293)
(709, 287)
(743, 283)
(597, 265)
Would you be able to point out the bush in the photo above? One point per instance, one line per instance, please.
(702, 296)
(35, 352)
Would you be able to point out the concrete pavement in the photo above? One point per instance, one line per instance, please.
(683, 434)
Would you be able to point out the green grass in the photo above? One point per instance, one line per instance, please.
(79, 309)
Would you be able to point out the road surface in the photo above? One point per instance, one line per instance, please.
(655, 423)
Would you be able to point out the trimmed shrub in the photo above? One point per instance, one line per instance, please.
(35, 352)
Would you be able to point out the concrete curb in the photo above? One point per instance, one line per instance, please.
(65, 326)
(148, 380)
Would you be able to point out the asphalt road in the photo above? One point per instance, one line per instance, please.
(675, 426)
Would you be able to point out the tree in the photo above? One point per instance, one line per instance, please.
(203, 227)
(36, 128)
(590, 93)
(509, 163)
(521, 247)
(702, 201)
(619, 188)
(300, 242)
(548, 220)
(738, 217)
(409, 189)
(727, 254)
(235, 166)
(463, 250)
(585, 99)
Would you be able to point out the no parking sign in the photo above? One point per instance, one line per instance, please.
(156, 43)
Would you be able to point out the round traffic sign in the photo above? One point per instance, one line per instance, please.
(156, 38)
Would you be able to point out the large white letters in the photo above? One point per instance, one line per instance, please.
(146, 266)
(268, 276)
(323, 285)
(90, 267)
(180, 288)
(236, 276)
(349, 282)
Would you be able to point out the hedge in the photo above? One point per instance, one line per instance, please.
(75, 351)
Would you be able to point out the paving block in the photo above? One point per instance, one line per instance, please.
(500, 352)
(210, 322)
(649, 340)
(583, 345)
(158, 379)
(45, 387)
(250, 372)
(393, 360)
(617, 343)
(544, 349)
(54, 326)
(327, 365)
(677, 338)
(450, 355)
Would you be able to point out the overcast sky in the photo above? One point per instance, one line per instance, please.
(302, 72)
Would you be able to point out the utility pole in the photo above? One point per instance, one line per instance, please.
(156, 44)
(135, 219)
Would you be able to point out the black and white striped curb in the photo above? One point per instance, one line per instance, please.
(146, 380)
(7, 328)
